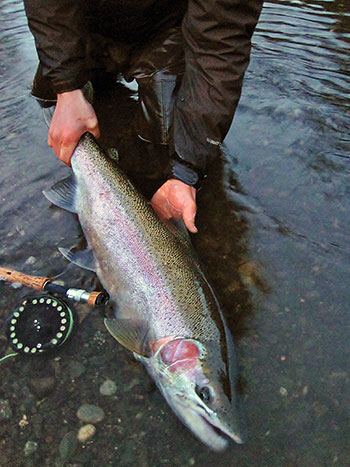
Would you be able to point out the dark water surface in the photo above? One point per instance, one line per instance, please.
(274, 237)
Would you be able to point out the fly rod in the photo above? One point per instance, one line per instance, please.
(45, 283)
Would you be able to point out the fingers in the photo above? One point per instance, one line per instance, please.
(176, 199)
(73, 117)
(63, 145)
(66, 152)
(161, 205)
(190, 210)
(188, 215)
(95, 131)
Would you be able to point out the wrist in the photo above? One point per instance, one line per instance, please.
(69, 95)
(185, 173)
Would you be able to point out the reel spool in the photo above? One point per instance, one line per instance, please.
(41, 323)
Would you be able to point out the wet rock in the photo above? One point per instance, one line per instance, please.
(41, 387)
(30, 260)
(37, 422)
(86, 432)
(68, 446)
(283, 392)
(129, 456)
(5, 410)
(24, 421)
(89, 413)
(108, 388)
(76, 369)
(133, 383)
(28, 404)
(30, 447)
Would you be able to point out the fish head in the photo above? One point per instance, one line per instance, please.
(196, 383)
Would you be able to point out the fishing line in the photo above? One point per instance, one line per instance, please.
(8, 356)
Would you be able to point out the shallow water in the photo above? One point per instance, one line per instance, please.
(274, 228)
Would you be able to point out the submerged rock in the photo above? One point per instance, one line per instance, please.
(76, 369)
(108, 388)
(30, 447)
(41, 387)
(68, 445)
(86, 432)
(5, 410)
(89, 413)
(30, 260)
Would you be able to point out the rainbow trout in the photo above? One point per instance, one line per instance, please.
(165, 311)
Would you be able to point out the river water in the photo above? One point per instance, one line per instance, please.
(274, 231)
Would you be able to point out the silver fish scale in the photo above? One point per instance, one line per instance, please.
(146, 269)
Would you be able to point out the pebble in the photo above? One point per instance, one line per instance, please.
(89, 413)
(28, 404)
(283, 392)
(30, 447)
(30, 260)
(5, 410)
(76, 369)
(41, 387)
(108, 388)
(86, 432)
(68, 445)
(37, 423)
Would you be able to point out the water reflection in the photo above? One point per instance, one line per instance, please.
(274, 230)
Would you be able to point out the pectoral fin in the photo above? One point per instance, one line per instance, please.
(83, 258)
(63, 193)
(134, 335)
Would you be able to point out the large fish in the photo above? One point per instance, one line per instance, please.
(165, 310)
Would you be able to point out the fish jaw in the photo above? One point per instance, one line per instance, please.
(178, 371)
(205, 425)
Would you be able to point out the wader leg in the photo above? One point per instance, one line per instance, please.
(158, 68)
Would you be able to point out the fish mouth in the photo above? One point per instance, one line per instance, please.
(220, 429)
(207, 427)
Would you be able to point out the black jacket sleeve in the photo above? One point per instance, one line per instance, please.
(58, 27)
(217, 50)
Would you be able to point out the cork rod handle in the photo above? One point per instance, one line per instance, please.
(35, 282)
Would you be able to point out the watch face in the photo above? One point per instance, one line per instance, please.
(39, 324)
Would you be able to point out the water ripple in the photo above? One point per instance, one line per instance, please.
(309, 42)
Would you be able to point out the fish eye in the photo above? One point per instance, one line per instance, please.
(203, 393)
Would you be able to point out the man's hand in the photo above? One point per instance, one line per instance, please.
(176, 199)
(73, 117)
